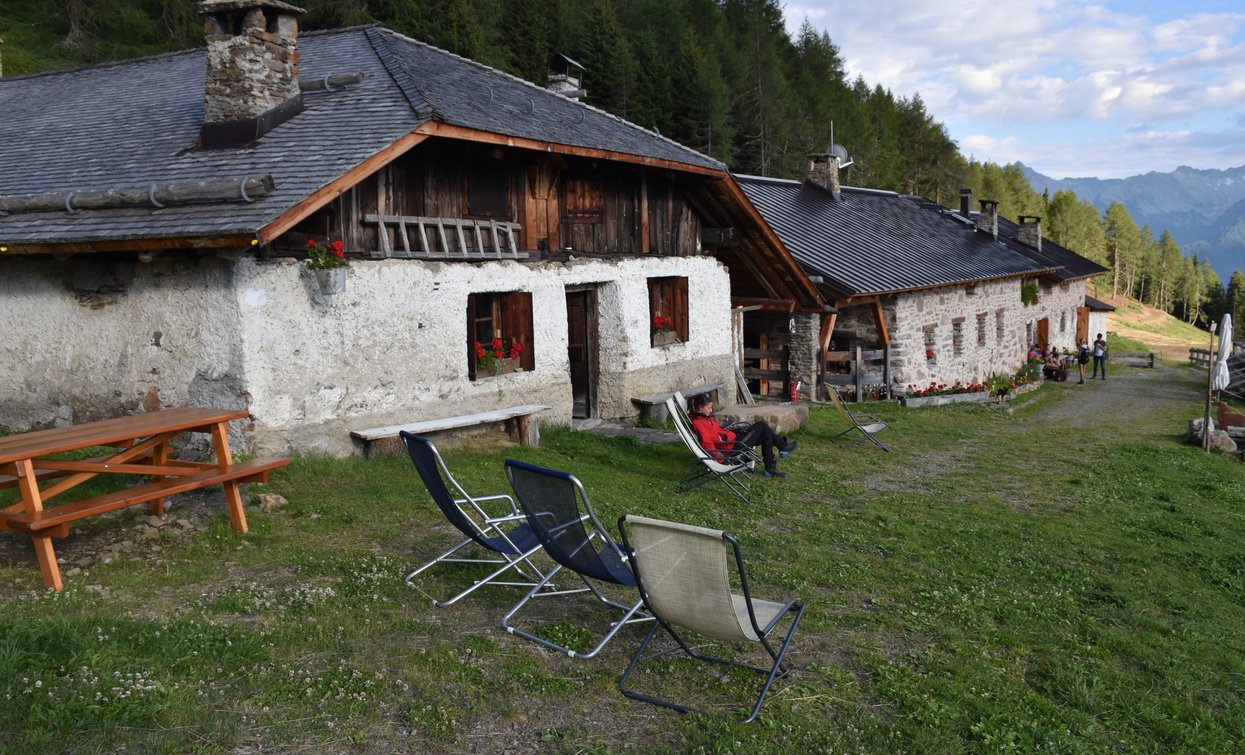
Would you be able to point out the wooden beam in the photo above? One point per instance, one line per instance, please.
(646, 244)
(879, 317)
(434, 128)
(768, 305)
(132, 245)
(339, 186)
(827, 330)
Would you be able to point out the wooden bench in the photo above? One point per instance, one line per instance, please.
(654, 407)
(254, 470)
(522, 425)
(1134, 359)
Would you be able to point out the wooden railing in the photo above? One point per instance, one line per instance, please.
(769, 368)
(1199, 357)
(864, 367)
(1138, 359)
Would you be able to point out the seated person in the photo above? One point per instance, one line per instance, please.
(714, 438)
(1054, 368)
(1036, 355)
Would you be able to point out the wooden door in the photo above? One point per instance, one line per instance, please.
(1082, 325)
(581, 352)
(1043, 332)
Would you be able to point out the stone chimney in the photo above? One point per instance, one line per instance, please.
(988, 218)
(966, 200)
(1030, 231)
(823, 171)
(566, 77)
(252, 69)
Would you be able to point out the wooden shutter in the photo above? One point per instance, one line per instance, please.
(678, 299)
(517, 324)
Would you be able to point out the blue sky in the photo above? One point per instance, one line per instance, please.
(1108, 89)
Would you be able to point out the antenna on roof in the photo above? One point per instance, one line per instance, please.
(838, 150)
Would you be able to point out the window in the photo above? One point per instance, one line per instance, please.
(1063, 322)
(999, 330)
(957, 336)
(507, 316)
(981, 329)
(667, 298)
(930, 333)
(486, 190)
(582, 199)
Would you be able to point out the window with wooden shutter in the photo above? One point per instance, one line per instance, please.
(667, 308)
(499, 317)
(582, 199)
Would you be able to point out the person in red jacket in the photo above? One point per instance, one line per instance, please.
(715, 439)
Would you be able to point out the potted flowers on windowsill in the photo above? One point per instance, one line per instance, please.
(329, 264)
(495, 359)
(664, 333)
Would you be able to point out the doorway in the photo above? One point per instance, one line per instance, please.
(581, 351)
(1082, 325)
(1043, 333)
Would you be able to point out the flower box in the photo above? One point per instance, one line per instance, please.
(665, 338)
(504, 366)
(332, 280)
(976, 397)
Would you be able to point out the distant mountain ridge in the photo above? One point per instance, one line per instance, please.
(1203, 209)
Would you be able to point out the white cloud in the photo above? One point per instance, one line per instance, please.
(1030, 79)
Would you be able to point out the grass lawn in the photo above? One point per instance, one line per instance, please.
(1066, 576)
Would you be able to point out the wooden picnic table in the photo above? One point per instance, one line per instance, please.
(140, 444)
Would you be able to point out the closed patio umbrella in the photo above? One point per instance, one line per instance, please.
(1221, 378)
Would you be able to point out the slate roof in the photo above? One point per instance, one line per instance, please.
(131, 123)
(1098, 305)
(881, 242)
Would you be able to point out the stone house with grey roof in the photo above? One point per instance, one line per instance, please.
(155, 216)
(933, 295)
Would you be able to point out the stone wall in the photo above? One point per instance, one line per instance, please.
(94, 337)
(802, 352)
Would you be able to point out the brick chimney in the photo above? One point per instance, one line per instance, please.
(988, 218)
(1030, 231)
(823, 171)
(966, 200)
(566, 77)
(252, 69)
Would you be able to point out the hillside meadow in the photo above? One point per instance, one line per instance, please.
(1063, 574)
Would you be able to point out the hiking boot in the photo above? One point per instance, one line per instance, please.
(790, 449)
(773, 473)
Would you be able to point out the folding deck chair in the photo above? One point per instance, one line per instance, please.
(685, 582)
(514, 545)
(868, 425)
(732, 468)
(552, 501)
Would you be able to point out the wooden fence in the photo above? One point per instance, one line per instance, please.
(1199, 357)
(857, 367)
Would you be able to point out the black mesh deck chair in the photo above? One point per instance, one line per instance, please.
(558, 511)
(506, 536)
(732, 468)
(866, 424)
(684, 575)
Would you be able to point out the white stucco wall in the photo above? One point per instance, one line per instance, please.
(391, 349)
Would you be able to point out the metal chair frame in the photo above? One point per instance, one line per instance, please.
(515, 545)
(772, 673)
(604, 554)
(868, 425)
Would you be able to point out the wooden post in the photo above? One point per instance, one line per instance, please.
(233, 496)
(1210, 382)
(886, 368)
(858, 368)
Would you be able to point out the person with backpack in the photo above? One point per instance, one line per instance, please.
(1082, 359)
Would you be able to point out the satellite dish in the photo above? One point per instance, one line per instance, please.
(839, 151)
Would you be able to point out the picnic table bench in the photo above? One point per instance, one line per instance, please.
(141, 448)
(1138, 359)
(654, 407)
(522, 425)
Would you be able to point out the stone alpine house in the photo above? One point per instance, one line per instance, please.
(155, 216)
(933, 294)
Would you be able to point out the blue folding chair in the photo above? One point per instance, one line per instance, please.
(508, 535)
(552, 501)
